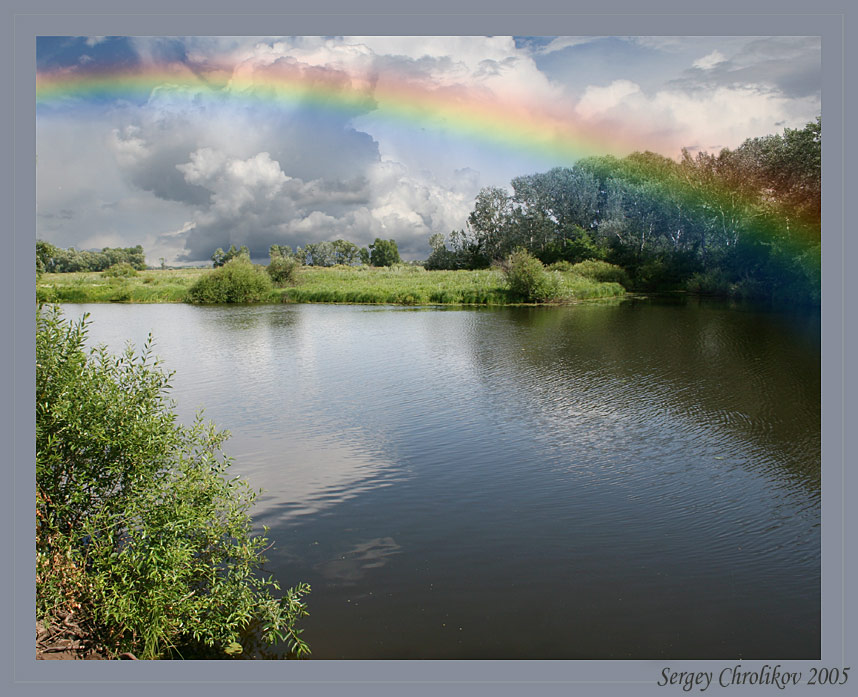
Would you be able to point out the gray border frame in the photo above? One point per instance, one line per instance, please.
(826, 18)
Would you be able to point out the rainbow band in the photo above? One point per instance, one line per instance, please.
(482, 117)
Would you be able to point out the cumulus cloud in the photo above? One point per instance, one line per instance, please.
(290, 140)
(597, 100)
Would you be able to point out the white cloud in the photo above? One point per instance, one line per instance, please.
(709, 61)
(560, 43)
(597, 100)
(189, 171)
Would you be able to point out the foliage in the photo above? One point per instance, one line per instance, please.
(237, 281)
(220, 258)
(330, 253)
(601, 271)
(139, 531)
(282, 266)
(710, 282)
(51, 259)
(121, 270)
(528, 279)
(383, 253)
(753, 213)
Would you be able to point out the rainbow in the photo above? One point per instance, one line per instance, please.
(510, 121)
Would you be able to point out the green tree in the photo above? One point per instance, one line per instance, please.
(140, 533)
(46, 254)
(345, 252)
(491, 222)
(219, 258)
(383, 253)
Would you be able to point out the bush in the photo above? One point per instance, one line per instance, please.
(139, 532)
(237, 281)
(528, 279)
(120, 270)
(283, 270)
(711, 282)
(601, 271)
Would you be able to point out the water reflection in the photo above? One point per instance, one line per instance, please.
(354, 563)
(646, 474)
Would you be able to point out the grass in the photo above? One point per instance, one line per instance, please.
(153, 286)
(398, 285)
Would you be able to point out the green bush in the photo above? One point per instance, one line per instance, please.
(601, 271)
(237, 281)
(711, 282)
(121, 270)
(139, 532)
(283, 270)
(528, 279)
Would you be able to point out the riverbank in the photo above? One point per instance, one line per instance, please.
(399, 285)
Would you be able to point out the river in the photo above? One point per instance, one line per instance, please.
(624, 480)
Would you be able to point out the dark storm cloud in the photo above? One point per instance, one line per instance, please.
(158, 174)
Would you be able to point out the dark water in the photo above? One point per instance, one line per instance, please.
(633, 480)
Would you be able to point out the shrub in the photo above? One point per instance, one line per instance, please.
(528, 279)
(283, 270)
(139, 532)
(601, 271)
(565, 266)
(120, 270)
(711, 282)
(237, 281)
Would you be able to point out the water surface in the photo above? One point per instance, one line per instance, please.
(624, 480)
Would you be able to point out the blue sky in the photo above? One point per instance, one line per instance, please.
(182, 180)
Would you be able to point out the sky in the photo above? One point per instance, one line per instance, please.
(187, 144)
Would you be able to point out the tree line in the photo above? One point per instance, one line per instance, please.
(325, 253)
(51, 259)
(746, 221)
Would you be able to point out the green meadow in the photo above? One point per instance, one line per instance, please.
(399, 285)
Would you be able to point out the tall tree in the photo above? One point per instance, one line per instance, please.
(383, 252)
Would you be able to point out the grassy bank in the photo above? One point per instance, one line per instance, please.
(401, 285)
(155, 286)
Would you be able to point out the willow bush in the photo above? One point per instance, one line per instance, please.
(528, 279)
(237, 281)
(140, 533)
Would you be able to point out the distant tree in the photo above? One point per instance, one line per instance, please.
(491, 222)
(383, 253)
(345, 252)
(282, 250)
(55, 260)
(364, 256)
(45, 255)
(219, 258)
